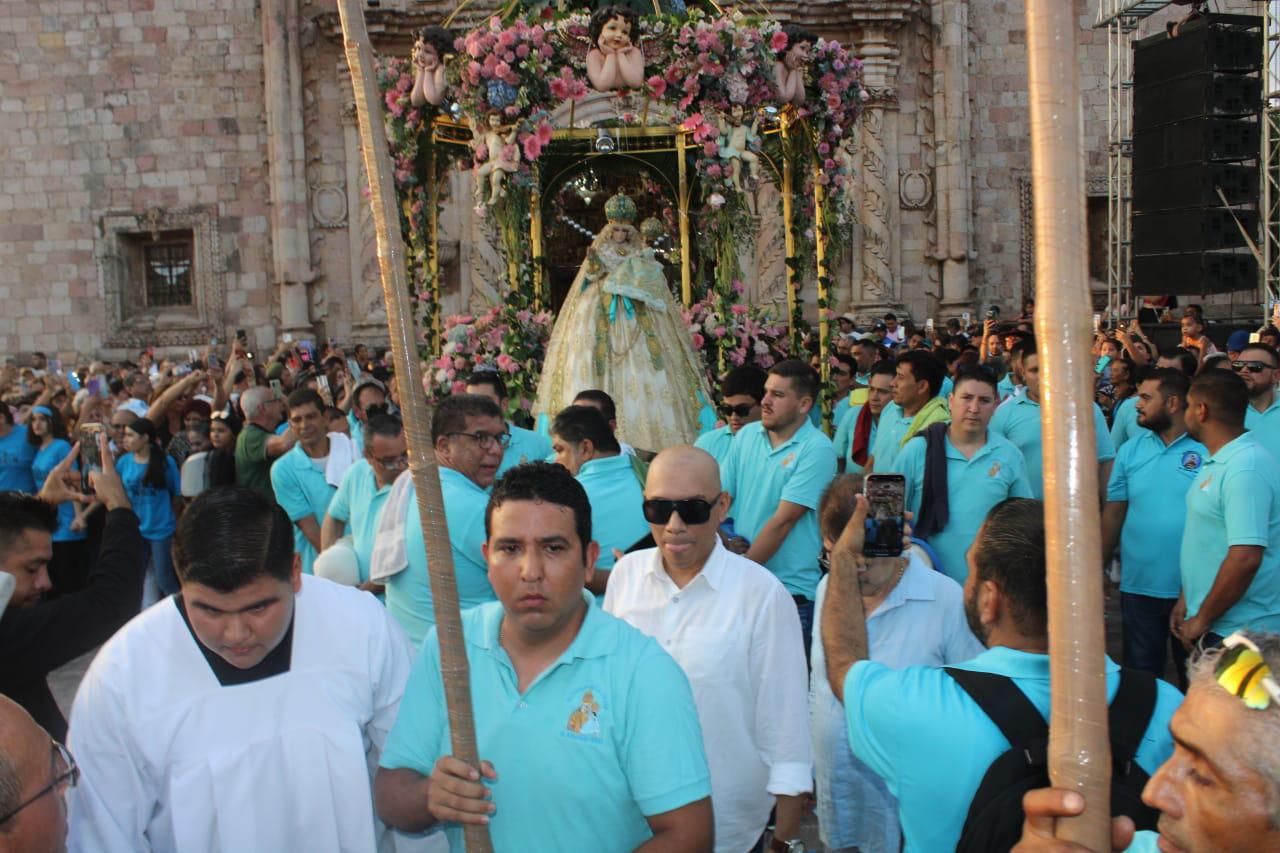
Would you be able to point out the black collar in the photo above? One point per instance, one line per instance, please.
(275, 663)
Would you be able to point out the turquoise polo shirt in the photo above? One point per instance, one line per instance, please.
(1153, 479)
(611, 724)
(1006, 388)
(891, 428)
(16, 456)
(617, 517)
(948, 385)
(356, 430)
(931, 744)
(358, 504)
(526, 446)
(1234, 501)
(718, 443)
(759, 476)
(302, 492)
(974, 486)
(843, 441)
(409, 592)
(153, 505)
(45, 460)
(1265, 426)
(1019, 421)
(1124, 422)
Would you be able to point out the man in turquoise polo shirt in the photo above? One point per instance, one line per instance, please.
(525, 445)
(1018, 420)
(856, 434)
(586, 447)
(368, 393)
(469, 435)
(298, 477)
(982, 470)
(1124, 420)
(917, 728)
(586, 728)
(1230, 558)
(1257, 366)
(917, 383)
(740, 396)
(1146, 511)
(364, 490)
(776, 474)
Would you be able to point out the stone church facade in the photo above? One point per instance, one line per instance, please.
(176, 170)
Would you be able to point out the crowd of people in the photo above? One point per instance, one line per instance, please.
(670, 648)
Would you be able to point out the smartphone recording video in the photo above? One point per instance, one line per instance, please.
(886, 493)
(90, 453)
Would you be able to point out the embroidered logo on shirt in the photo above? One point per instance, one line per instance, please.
(995, 469)
(584, 719)
(790, 457)
(1191, 461)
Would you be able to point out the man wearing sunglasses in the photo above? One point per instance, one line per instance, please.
(1230, 556)
(741, 393)
(364, 489)
(1257, 366)
(776, 474)
(469, 435)
(732, 627)
(35, 773)
(1218, 792)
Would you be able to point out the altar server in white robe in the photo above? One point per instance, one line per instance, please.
(246, 713)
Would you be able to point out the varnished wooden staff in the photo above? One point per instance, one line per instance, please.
(417, 415)
(1079, 750)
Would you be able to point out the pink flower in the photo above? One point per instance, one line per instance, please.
(507, 364)
(693, 121)
(824, 149)
(719, 332)
(711, 149)
(545, 132)
(739, 287)
(522, 51)
(559, 88)
(829, 164)
(698, 341)
(532, 148)
(546, 51)
(503, 72)
(657, 86)
(714, 170)
(474, 50)
(739, 308)
(524, 315)
(737, 358)
(824, 179)
(459, 363)
(458, 387)
(506, 38)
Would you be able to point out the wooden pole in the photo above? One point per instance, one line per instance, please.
(417, 419)
(682, 203)
(433, 248)
(535, 236)
(820, 252)
(788, 232)
(1079, 750)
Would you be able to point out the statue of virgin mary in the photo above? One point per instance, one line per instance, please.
(620, 331)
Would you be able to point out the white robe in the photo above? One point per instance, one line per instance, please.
(172, 761)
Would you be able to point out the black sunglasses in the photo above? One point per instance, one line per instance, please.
(1251, 366)
(742, 410)
(692, 510)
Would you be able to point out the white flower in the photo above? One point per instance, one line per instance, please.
(441, 377)
(716, 201)
(761, 348)
(450, 348)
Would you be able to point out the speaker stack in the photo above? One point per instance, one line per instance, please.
(1197, 104)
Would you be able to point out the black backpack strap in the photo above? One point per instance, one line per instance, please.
(1130, 715)
(1018, 719)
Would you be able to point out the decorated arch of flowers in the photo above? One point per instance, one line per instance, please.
(514, 90)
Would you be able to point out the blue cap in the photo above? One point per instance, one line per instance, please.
(1238, 341)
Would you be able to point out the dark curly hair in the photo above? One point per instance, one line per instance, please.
(439, 38)
(606, 14)
(796, 35)
(547, 482)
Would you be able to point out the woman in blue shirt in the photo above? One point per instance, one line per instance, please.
(151, 478)
(69, 568)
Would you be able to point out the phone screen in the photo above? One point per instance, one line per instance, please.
(90, 453)
(884, 526)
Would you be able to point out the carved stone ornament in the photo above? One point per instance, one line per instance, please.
(915, 190)
(329, 206)
(886, 97)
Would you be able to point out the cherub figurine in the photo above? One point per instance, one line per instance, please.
(735, 146)
(792, 63)
(429, 52)
(502, 157)
(615, 61)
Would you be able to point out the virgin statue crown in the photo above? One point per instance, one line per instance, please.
(620, 209)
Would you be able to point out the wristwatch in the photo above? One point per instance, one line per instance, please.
(795, 845)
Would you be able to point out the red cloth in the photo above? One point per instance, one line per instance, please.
(862, 435)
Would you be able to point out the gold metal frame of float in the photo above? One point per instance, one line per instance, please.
(632, 142)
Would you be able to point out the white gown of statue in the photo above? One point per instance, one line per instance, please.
(620, 331)
(171, 760)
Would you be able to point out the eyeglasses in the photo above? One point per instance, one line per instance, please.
(395, 463)
(1251, 366)
(742, 410)
(1242, 672)
(486, 440)
(63, 778)
(838, 372)
(692, 510)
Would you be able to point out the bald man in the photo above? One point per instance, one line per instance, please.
(34, 773)
(734, 629)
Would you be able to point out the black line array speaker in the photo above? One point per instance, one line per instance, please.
(1196, 107)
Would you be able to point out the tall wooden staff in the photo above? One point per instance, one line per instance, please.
(1079, 750)
(417, 418)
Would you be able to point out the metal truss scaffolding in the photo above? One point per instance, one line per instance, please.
(1269, 166)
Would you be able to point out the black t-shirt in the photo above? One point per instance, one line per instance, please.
(275, 663)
